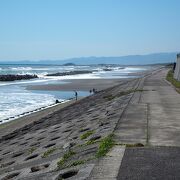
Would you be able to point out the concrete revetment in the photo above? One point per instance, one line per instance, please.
(177, 69)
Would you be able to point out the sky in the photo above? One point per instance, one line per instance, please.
(61, 29)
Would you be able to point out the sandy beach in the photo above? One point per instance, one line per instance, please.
(79, 85)
(86, 84)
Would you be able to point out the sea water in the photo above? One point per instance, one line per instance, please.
(15, 100)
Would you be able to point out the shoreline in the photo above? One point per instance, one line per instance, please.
(19, 122)
(83, 85)
(12, 118)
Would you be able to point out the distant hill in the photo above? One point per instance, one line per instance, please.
(156, 58)
(69, 64)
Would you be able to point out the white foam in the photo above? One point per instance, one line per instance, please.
(24, 101)
(21, 68)
(134, 69)
(78, 76)
(32, 111)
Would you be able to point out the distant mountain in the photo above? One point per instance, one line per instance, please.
(69, 64)
(156, 58)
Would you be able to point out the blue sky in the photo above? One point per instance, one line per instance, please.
(60, 29)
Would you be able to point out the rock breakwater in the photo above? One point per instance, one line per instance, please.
(13, 77)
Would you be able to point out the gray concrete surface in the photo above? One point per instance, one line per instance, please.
(163, 110)
(158, 163)
(177, 69)
(153, 114)
(107, 168)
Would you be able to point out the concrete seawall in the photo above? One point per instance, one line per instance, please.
(177, 69)
(142, 116)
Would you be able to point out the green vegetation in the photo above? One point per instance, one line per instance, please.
(91, 142)
(171, 79)
(77, 162)
(122, 93)
(109, 97)
(86, 134)
(48, 152)
(32, 150)
(65, 157)
(105, 145)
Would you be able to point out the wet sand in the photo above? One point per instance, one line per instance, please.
(79, 85)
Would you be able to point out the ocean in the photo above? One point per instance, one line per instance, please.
(17, 101)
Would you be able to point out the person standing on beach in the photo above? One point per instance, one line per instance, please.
(76, 95)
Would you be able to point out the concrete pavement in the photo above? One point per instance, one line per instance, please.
(152, 118)
(163, 110)
(158, 163)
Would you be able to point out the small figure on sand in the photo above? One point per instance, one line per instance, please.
(57, 101)
(174, 67)
(94, 90)
(76, 95)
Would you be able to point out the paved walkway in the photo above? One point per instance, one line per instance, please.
(163, 110)
(158, 163)
(152, 118)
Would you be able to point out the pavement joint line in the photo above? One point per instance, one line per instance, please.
(126, 107)
(108, 166)
(147, 127)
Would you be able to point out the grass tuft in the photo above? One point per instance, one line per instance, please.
(109, 97)
(122, 93)
(86, 134)
(90, 142)
(171, 79)
(65, 157)
(77, 162)
(105, 145)
(31, 150)
(48, 152)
